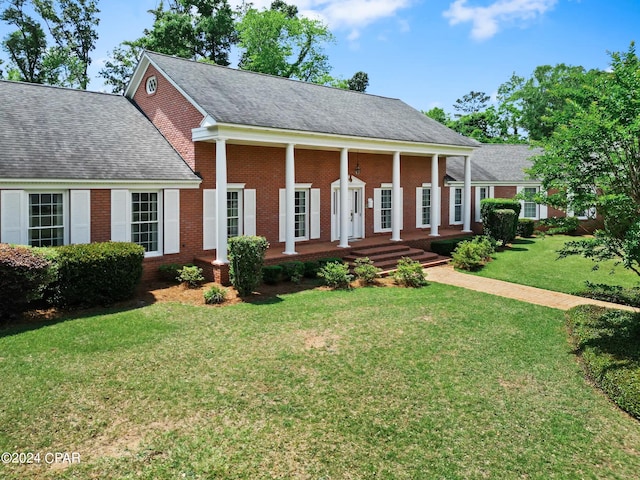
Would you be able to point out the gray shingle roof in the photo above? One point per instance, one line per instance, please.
(246, 98)
(58, 133)
(495, 163)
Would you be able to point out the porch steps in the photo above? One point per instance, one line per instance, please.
(386, 257)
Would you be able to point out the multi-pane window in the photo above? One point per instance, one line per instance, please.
(426, 206)
(46, 219)
(301, 213)
(457, 205)
(530, 209)
(385, 208)
(144, 220)
(233, 213)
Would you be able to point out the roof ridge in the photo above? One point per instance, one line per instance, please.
(59, 87)
(250, 72)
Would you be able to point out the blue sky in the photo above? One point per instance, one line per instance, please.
(431, 52)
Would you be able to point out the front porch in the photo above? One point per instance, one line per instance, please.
(308, 251)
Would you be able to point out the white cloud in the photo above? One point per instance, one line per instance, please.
(351, 15)
(487, 20)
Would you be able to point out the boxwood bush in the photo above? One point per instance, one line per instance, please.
(446, 247)
(24, 275)
(272, 274)
(293, 271)
(526, 226)
(96, 273)
(246, 258)
(500, 226)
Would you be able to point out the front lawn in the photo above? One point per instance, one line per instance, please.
(534, 262)
(394, 383)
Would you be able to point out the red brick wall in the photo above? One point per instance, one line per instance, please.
(171, 113)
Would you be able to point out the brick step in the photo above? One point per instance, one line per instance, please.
(380, 257)
(391, 263)
(370, 251)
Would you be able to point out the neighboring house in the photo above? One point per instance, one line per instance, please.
(80, 167)
(498, 172)
(221, 153)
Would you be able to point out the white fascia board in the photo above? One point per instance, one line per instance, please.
(491, 183)
(271, 136)
(139, 74)
(27, 183)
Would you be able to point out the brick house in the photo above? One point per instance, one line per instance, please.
(499, 171)
(196, 153)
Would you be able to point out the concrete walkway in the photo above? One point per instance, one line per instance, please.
(562, 301)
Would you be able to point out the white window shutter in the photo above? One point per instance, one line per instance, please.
(171, 221)
(209, 226)
(315, 213)
(80, 206)
(519, 190)
(377, 200)
(249, 212)
(419, 207)
(120, 214)
(12, 217)
(283, 215)
(544, 211)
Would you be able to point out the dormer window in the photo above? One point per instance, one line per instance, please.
(152, 85)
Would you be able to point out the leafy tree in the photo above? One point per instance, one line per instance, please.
(472, 102)
(438, 114)
(72, 24)
(276, 43)
(359, 82)
(592, 157)
(195, 29)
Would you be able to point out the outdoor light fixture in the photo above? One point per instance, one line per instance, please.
(358, 168)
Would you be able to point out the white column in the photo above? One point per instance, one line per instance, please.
(221, 201)
(396, 199)
(466, 206)
(345, 211)
(290, 201)
(435, 196)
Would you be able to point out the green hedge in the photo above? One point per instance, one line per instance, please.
(246, 258)
(526, 226)
(24, 275)
(446, 247)
(96, 273)
(272, 274)
(497, 225)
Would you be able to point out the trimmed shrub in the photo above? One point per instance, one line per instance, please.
(215, 295)
(410, 273)
(336, 275)
(97, 273)
(24, 275)
(366, 271)
(497, 226)
(611, 293)
(272, 274)
(293, 271)
(169, 272)
(526, 226)
(560, 225)
(191, 276)
(311, 269)
(246, 256)
(323, 261)
(446, 247)
(473, 254)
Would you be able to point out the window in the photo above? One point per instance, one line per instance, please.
(152, 85)
(530, 207)
(46, 219)
(481, 194)
(426, 206)
(455, 205)
(385, 209)
(301, 214)
(234, 214)
(144, 220)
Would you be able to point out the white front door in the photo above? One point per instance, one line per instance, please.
(355, 196)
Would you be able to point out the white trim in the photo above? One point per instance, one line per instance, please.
(377, 209)
(354, 183)
(246, 134)
(209, 224)
(314, 213)
(249, 211)
(51, 183)
(490, 194)
(419, 206)
(120, 216)
(537, 216)
(13, 210)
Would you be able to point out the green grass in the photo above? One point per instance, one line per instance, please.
(607, 340)
(389, 383)
(534, 262)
